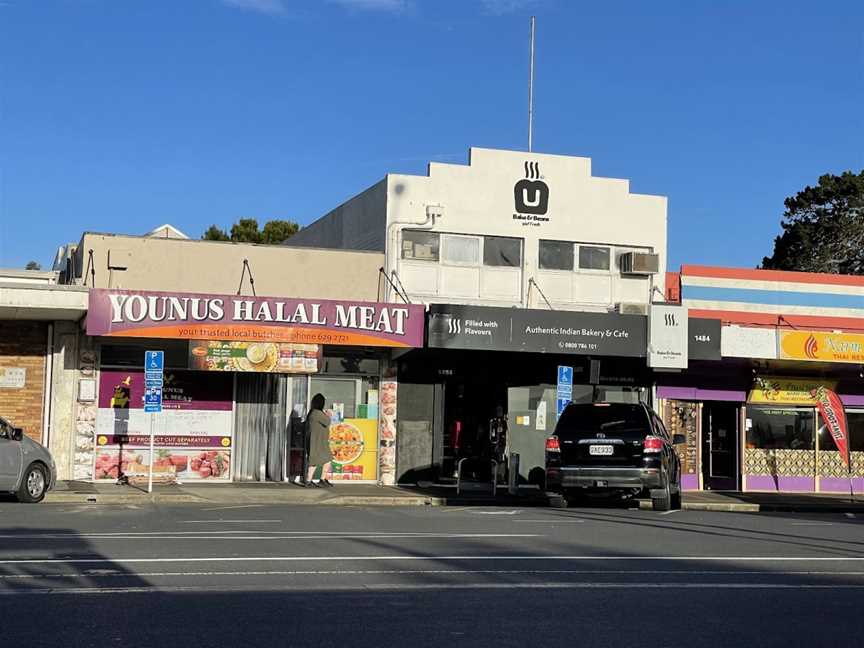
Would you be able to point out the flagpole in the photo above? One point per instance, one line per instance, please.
(531, 91)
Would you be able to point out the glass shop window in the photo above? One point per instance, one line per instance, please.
(556, 255)
(502, 251)
(420, 246)
(593, 257)
(780, 429)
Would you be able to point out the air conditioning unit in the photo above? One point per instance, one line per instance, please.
(631, 308)
(639, 263)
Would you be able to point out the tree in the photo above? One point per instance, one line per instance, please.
(33, 265)
(214, 233)
(279, 231)
(246, 231)
(823, 228)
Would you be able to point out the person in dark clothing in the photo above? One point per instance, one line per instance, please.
(318, 434)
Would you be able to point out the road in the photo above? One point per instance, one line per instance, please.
(92, 575)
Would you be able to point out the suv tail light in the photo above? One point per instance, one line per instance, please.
(552, 444)
(652, 444)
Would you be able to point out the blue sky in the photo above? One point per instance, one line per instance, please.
(122, 115)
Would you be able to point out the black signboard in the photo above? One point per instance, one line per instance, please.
(704, 341)
(540, 331)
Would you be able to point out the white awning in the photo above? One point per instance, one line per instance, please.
(42, 302)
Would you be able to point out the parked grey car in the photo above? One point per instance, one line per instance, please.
(26, 467)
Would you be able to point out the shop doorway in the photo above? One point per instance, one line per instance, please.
(720, 446)
(260, 427)
(473, 402)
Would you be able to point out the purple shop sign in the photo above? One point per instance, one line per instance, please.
(188, 316)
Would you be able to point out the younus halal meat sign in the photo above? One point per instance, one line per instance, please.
(118, 313)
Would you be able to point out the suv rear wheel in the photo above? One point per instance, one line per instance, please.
(664, 501)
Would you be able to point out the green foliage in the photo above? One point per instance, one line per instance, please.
(246, 231)
(278, 231)
(214, 233)
(33, 265)
(823, 228)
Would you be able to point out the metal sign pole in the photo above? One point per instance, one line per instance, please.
(150, 476)
(154, 367)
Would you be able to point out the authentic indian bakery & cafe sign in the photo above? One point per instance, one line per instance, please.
(119, 313)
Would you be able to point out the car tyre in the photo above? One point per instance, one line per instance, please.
(664, 502)
(559, 500)
(676, 498)
(34, 484)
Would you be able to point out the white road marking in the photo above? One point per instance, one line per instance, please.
(238, 506)
(398, 587)
(231, 522)
(814, 524)
(850, 515)
(344, 558)
(273, 535)
(359, 534)
(550, 521)
(669, 512)
(112, 573)
(496, 512)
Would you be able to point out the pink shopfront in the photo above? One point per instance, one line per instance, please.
(239, 376)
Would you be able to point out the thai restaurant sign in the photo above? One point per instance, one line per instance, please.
(771, 390)
(821, 346)
(187, 316)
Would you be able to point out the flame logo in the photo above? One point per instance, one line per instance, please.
(811, 348)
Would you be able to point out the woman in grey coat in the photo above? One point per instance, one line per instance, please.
(318, 434)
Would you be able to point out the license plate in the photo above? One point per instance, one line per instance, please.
(600, 450)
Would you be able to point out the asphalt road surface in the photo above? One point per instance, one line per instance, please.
(193, 575)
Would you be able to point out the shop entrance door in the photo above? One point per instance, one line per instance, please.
(720, 442)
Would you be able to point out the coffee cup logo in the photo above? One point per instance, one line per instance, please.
(531, 193)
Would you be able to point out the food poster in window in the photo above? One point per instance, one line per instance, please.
(193, 433)
(259, 357)
(387, 443)
(354, 444)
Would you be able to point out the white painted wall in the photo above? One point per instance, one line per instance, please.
(746, 342)
(478, 199)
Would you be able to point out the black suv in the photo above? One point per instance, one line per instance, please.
(613, 447)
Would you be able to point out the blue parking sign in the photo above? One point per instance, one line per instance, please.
(154, 360)
(153, 399)
(565, 376)
(154, 365)
(562, 405)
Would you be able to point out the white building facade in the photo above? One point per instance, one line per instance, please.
(508, 229)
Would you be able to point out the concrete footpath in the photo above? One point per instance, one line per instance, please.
(373, 495)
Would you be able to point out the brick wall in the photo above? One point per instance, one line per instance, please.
(23, 344)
